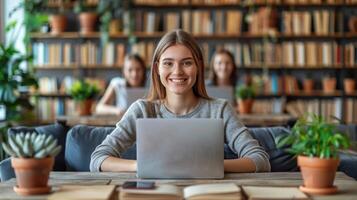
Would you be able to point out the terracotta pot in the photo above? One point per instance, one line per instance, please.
(85, 107)
(352, 24)
(32, 175)
(114, 26)
(329, 85)
(318, 174)
(87, 21)
(349, 85)
(308, 85)
(245, 106)
(58, 23)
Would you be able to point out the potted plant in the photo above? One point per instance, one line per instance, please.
(245, 95)
(14, 81)
(32, 157)
(316, 143)
(111, 13)
(349, 84)
(329, 84)
(84, 93)
(87, 16)
(58, 20)
(34, 17)
(308, 84)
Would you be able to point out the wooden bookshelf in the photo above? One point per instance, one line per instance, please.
(83, 67)
(316, 94)
(284, 54)
(53, 95)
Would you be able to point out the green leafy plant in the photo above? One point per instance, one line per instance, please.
(31, 145)
(13, 77)
(82, 90)
(83, 6)
(245, 92)
(34, 16)
(108, 10)
(313, 136)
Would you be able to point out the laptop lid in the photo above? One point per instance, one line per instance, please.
(180, 148)
(133, 94)
(225, 92)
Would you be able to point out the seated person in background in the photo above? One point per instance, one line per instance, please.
(223, 69)
(113, 100)
(177, 90)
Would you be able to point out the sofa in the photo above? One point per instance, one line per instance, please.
(81, 140)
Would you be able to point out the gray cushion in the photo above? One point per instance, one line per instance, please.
(58, 131)
(6, 171)
(81, 142)
(280, 160)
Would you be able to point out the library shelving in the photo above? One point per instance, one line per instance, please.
(278, 42)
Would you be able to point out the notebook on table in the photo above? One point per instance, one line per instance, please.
(180, 148)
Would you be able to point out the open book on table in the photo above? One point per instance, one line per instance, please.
(223, 191)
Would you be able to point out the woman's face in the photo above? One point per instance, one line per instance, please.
(133, 73)
(223, 66)
(177, 70)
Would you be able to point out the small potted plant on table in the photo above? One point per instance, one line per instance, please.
(84, 93)
(32, 159)
(316, 143)
(245, 98)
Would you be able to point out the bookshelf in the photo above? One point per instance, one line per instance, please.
(282, 43)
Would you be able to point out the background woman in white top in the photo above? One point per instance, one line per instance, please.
(114, 100)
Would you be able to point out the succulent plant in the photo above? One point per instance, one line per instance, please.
(31, 145)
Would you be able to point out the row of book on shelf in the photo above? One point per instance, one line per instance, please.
(216, 2)
(300, 54)
(232, 22)
(223, 2)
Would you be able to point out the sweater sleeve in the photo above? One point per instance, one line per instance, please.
(241, 142)
(122, 137)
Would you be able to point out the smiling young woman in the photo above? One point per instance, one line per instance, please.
(177, 90)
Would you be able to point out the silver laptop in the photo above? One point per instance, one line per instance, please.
(221, 92)
(180, 148)
(134, 94)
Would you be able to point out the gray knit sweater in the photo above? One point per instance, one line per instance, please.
(236, 134)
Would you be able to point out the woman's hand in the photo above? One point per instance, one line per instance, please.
(239, 165)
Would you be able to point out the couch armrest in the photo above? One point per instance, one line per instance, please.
(6, 171)
(348, 163)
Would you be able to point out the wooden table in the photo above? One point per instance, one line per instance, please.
(110, 120)
(347, 187)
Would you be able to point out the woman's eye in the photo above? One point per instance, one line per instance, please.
(167, 64)
(187, 63)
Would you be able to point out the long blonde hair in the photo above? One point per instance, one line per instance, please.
(157, 90)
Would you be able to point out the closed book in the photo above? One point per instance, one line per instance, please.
(85, 192)
(277, 193)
